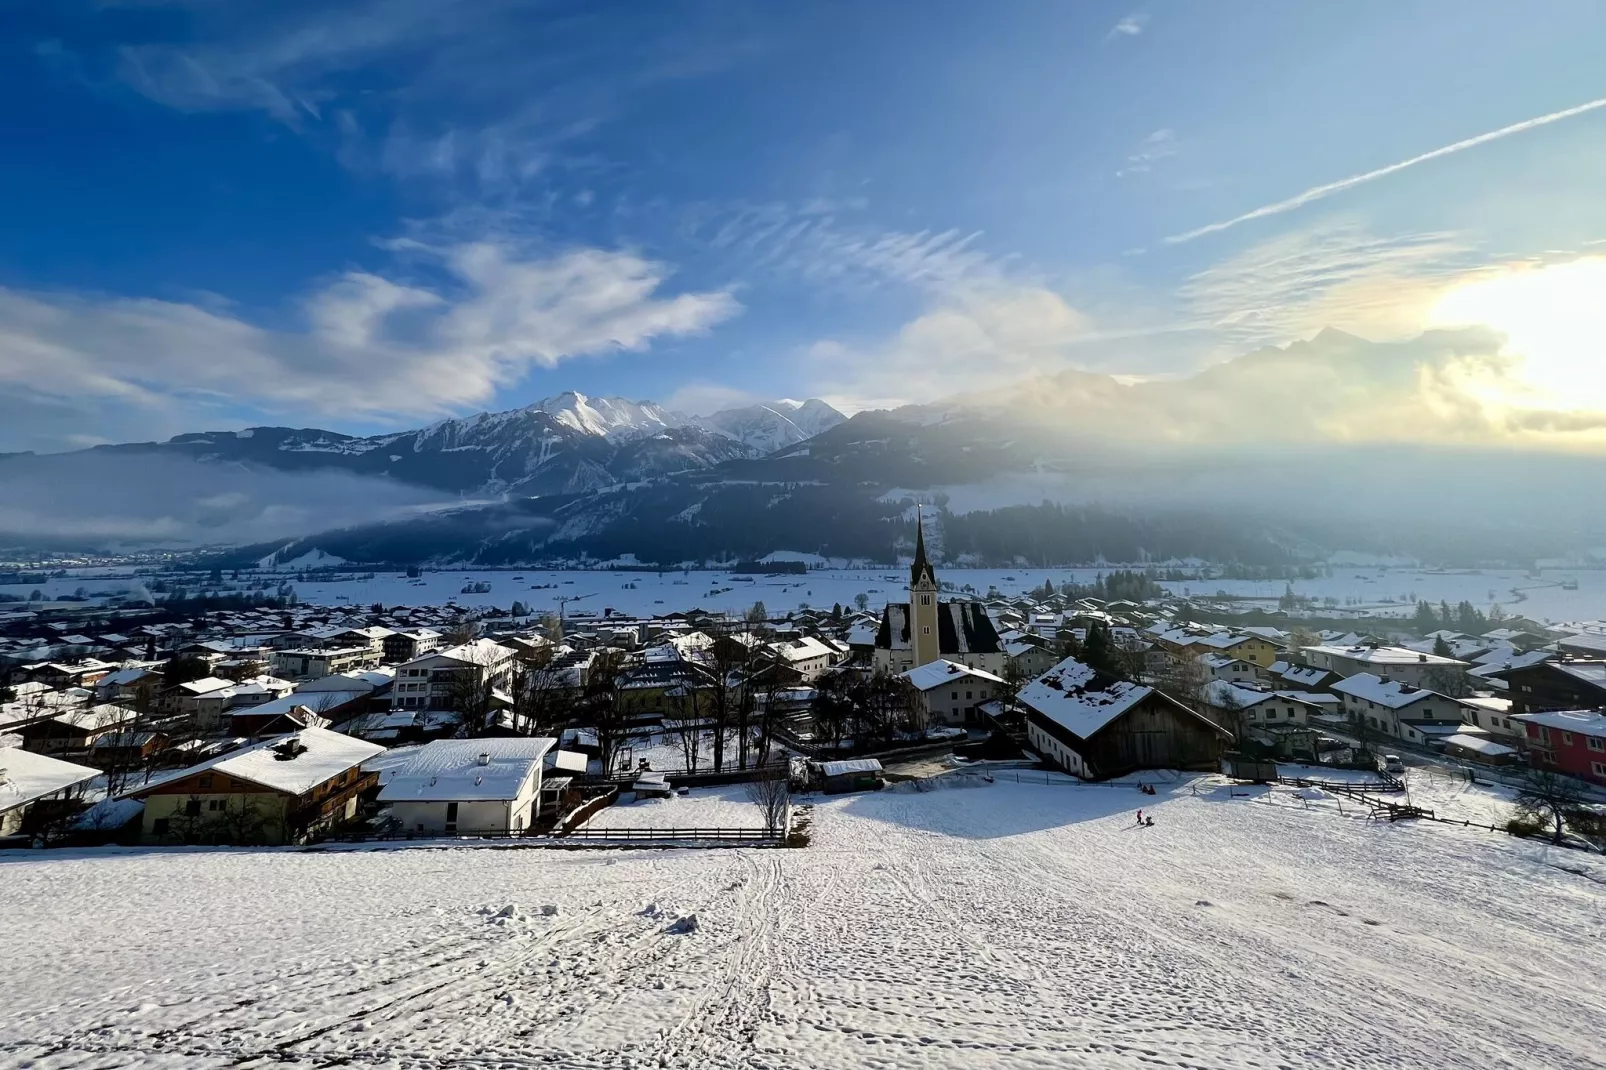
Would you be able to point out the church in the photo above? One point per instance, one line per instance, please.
(926, 629)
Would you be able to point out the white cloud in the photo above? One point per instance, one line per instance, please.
(1316, 193)
(1131, 26)
(368, 346)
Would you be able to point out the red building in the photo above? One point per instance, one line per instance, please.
(1568, 741)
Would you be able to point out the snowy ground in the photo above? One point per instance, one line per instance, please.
(646, 593)
(700, 808)
(1003, 926)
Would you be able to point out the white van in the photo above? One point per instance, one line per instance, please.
(1391, 764)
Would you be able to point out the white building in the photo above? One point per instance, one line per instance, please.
(1492, 713)
(1395, 662)
(1225, 668)
(950, 692)
(1390, 706)
(807, 656)
(432, 682)
(310, 664)
(470, 786)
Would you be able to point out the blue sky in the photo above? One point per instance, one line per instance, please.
(365, 216)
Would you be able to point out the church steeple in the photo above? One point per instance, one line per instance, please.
(921, 568)
(925, 642)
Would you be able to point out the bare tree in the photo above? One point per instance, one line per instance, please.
(1230, 712)
(1015, 677)
(1184, 678)
(1548, 796)
(605, 706)
(542, 700)
(834, 699)
(772, 794)
(730, 661)
(1449, 680)
(460, 632)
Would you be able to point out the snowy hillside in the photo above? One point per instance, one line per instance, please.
(1001, 926)
(767, 428)
(611, 418)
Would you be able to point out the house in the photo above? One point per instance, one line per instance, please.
(950, 692)
(309, 663)
(1258, 709)
(200, 701)
(1587, 645)
(277, 791)
(1227, 669)
(926, 629)
(72, 729)
(1251, 648)
(1568, 741)
(130, 747)
(126, 684)
(373, 637)
(807, 656)
(1396, 662)
(30, 782)
(470, 786)
(1395, 708)
(255, 722)
(407, 645)
(1492, 713)
(1302, 677)
(1095, 726)
(435, 681)
(1031, 654)
(1561, 684)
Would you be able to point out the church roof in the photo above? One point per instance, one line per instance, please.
(962, 628)
(921, 568)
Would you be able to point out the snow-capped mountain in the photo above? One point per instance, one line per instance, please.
(616, 419)
(767, 428)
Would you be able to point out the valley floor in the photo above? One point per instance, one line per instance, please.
(1008, 925)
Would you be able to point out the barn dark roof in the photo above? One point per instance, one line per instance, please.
(962, 628)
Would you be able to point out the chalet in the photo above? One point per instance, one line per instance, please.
(1562, 684)
(808, 656)
(1251, 648)
(1568, 741)
(1395, 708)
(1586, 645)
(128, 683)
(949, 693)
(1298, 677)
(276, 791)
(30, 782)
(126, 748)
(1225, 668)
(72, 730)
(1095, 726)
(469, 785)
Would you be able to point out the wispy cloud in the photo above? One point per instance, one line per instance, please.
(1336, 274)
(1316, 193)
(1131, 26)
(1157, 146)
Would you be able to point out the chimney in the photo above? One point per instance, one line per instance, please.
(1382, 679)
(484, 759)
(1421, 657)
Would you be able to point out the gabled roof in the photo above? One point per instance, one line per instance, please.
(1392, 694)
(1584, 722)
(937, 673)
(1080, 699)
(450, 770)
(325, 755)
(26, 776)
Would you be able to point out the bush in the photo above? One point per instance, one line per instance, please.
(1524, 825)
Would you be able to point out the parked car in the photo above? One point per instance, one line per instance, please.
(1391, 763)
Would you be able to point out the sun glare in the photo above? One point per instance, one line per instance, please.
(1553, 317)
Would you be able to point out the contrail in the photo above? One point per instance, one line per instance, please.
(1316, 193)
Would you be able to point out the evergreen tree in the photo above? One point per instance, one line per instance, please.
(1425, 619)
(1441, 648)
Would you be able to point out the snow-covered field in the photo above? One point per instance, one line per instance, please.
(648, 593)
(1010, 925)
(701, 808)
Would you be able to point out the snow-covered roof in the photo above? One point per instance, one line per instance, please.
(1591, 672)
(1079, 699)
(1586, 641)
(1224, 640)
(206, 685)
(325, 755)
(26, 776)
(1219, 661)
(804, 649)
(850, 765)
(1382, 655)
(568, 761)
(1391, 695)
(1584, 722)
(937, 673)
(1300, 674)
(450, 770)
(1480, 744)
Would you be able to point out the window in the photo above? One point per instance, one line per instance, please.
(192, 808)
(1598, 768)
(1597, 743)
(1566, 739)
(1271, 715)
(925, 600)
(954, 696)
(451, 817)
(214, 805)
(205, 782)
(925, 629)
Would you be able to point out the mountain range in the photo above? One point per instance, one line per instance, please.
(1280, 455)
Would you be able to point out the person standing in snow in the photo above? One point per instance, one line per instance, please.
(1140, 817)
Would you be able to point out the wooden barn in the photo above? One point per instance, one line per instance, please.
(1096, 726)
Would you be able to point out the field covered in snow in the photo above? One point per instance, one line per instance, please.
(1357, 589)
(1002, 926)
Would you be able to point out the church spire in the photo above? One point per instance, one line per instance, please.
(921, 568)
